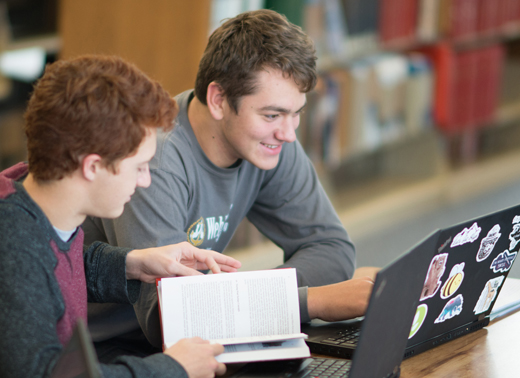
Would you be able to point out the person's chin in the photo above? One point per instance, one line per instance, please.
(115, 213)
(266, 164)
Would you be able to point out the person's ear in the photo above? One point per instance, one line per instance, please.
(90, 166)
(216, 100)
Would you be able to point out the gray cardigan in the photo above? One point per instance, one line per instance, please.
(31, 300)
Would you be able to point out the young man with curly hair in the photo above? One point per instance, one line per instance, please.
(91, 127)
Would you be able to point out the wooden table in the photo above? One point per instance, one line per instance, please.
(490, 352)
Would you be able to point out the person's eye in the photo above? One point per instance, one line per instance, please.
(271, 117)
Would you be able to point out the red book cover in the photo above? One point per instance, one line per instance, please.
(488, 16)
(465, 87)
(490, 66)
(443, 58)
(398, 21)
(463, 19)
(157, 280)
(509, 14)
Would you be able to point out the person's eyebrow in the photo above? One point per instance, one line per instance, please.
(279, 109)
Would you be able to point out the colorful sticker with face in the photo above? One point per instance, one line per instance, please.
(503, 262)
(488, 295)
(433, 278)
(418, 320)
(514, 236)
(452, 309)
(488, 243)
(453, 282)
(468, 235)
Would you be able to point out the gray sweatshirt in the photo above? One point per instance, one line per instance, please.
(191, 199)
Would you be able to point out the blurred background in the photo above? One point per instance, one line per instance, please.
(414, 123)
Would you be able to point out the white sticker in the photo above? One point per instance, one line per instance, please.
(488, 295)
(468, 235)
(488, 243)
(514, 236)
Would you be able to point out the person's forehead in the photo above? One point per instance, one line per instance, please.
(275, 90)
(268, 77)
(146, 149)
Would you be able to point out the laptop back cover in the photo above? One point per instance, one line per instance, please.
(394, 299)
(464, 278)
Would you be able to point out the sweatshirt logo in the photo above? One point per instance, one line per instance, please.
(210, 229)
(197, 232)
(216, 226)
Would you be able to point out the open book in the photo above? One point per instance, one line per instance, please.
(255, 315)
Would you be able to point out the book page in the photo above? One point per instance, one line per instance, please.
(259, 339)
(281, 350)
(230, 305)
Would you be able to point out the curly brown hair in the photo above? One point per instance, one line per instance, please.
(248, 43)
(91, 105)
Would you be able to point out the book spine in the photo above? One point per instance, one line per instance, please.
(488, 21)
(490, 61)
(463, 19)
(398, 21)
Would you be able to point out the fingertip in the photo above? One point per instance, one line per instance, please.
(221, 369)
(217, 349)
(228, 269)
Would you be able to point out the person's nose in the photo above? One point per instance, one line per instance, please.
(287, 131)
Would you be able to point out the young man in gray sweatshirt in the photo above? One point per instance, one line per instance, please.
(234, 154)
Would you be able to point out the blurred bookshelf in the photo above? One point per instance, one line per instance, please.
(28, 40)
(411, 93)
(414, 98)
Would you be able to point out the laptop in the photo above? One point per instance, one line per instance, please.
(78, 358)
(382, 335)
(468, 263)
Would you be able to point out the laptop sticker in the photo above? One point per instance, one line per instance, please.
(454, 281)
(488, 295)
(468, 235)
(488, 243)
(452, 309)
(433, 278)
(514, 236)
(418, 320)
(503, 262)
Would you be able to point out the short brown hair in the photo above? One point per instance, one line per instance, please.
(91, 105)
(248, 43)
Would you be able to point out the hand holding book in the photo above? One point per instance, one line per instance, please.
(255, 315)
